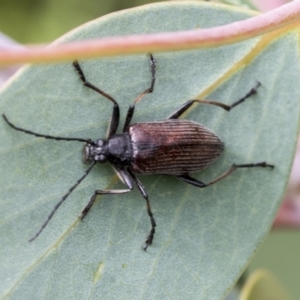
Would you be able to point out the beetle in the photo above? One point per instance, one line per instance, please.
(172, 146)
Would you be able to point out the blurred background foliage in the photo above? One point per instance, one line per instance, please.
(279, 254)
(35, 21)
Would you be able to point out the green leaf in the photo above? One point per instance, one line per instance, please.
(204, 237)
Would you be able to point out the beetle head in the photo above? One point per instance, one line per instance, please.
(94, 152)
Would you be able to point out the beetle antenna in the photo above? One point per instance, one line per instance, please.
(62, 200)
(44, 135)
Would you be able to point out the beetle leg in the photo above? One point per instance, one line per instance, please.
(141, 95)
(176, 114)
(114, 123)
(189, 103)
(125, 178)
(100, 192)
(150, 214)
(128, 117)
(151, 88)
(186, 178)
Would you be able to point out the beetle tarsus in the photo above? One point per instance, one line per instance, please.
(152, 231)
(149, 239)
(249, 94)
(88, 207)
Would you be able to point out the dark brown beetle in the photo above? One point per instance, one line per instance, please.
(171, 147)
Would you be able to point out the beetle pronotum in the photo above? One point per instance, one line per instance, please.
(172, 147)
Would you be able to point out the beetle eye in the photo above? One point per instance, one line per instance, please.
(86, 154)
(101, 158)
(100, 143)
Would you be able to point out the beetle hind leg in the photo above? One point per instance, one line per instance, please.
(186, 178)
(190, 180)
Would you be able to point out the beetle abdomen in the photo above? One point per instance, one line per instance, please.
(173, 147)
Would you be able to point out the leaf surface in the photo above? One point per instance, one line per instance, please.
(204, 237)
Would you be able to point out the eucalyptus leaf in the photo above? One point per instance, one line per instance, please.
(205, 237)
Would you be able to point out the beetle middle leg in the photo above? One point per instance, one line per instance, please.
(186, 178)
(128, 178)
(149, 211)
(188, 104)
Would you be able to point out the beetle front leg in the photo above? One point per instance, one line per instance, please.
(114, 123)
(100, 192)
(124, 176)
(186, 178)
